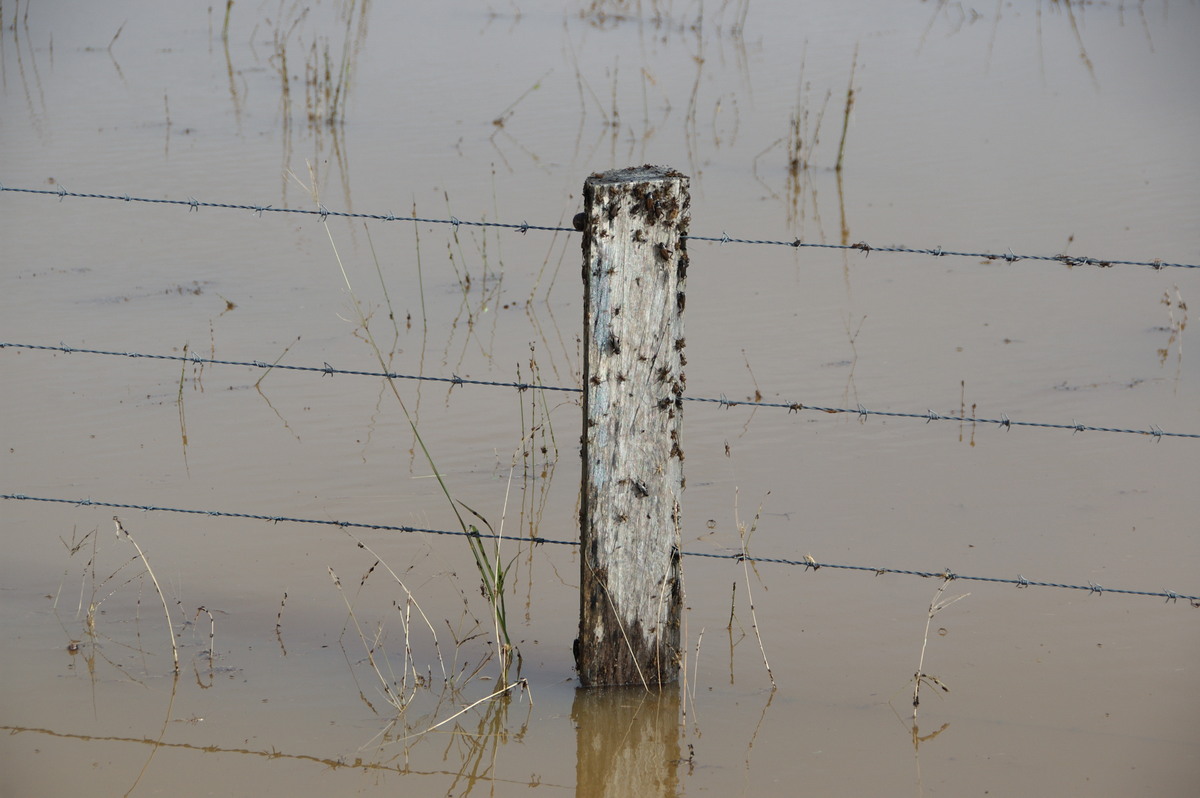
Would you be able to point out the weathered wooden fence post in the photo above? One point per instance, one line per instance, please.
(634, 263)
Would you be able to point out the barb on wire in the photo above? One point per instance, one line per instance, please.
(807, 563)
(324, 370)
(276, 519)
(1155, 432)
(1004, 421)
(939, 252)
(193, 204)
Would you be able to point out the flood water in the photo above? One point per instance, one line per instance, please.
(1036, 128)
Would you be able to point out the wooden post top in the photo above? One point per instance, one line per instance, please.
(638, 174)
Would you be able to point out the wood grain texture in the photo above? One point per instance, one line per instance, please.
(634, 268)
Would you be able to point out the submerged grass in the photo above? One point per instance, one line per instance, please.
(327, 74)
(492, 572)
(921, 677)
(122, 531)
(397, 692)
(493, 576)
(744, 534)
(103, 589)
(846, 115)
(1177, 319)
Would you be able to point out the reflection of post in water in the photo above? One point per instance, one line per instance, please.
(627, 742)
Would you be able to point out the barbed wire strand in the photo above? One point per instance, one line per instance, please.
(194, 204)
(321, 211)
(807, 563)
(939, 252)
(1004, 422)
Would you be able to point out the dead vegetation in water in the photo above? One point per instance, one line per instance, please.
(426, 701)
(421, 702)
(476, 260)
(1177, 319)
(328, 68)
(493, 564)
(920, 677)
(425, 694)
(729, 16)
(798, 146)
(745, 532)
(108, 594)
(314, 71)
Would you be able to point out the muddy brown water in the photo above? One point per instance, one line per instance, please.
(1036, 128)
